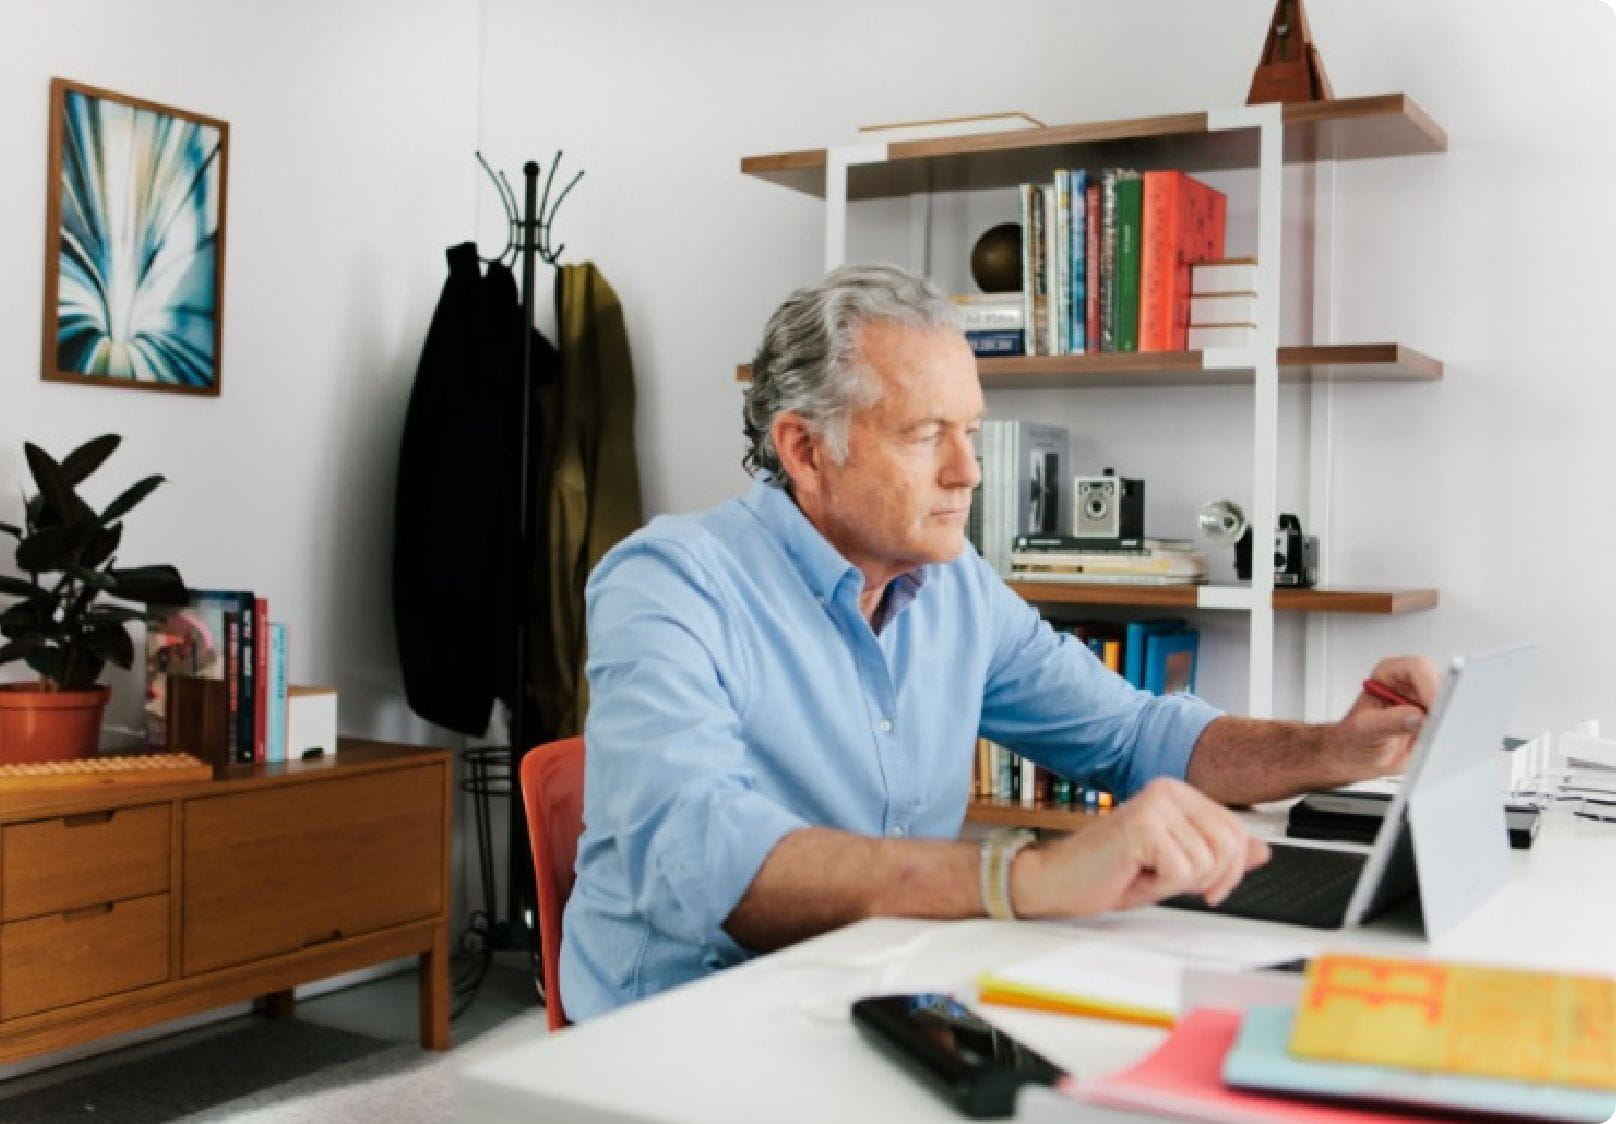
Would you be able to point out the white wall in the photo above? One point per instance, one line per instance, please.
(352, 130)
(1493, 485)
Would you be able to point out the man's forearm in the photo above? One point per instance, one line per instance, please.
(817, 879)
(1249, 760)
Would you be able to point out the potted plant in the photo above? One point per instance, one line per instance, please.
(69, 616)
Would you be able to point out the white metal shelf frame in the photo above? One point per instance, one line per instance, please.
(1257, 599)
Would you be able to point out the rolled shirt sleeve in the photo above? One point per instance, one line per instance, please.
(668, 778)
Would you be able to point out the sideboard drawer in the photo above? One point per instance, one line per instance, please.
(274, 871)
(65, 863)
(82, 954)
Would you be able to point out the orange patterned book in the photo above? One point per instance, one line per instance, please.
(1431, 1015)
(1185, 222)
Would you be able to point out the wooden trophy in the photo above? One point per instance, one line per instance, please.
(1291, 69)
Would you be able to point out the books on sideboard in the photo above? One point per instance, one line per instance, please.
(216, 679)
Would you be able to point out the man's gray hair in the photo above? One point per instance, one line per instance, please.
(808, 363)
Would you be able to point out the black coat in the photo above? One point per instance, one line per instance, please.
(455, 539)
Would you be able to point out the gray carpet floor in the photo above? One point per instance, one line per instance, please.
(346, 1057)
(214, 1071)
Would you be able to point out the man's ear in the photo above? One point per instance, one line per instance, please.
(800, 448)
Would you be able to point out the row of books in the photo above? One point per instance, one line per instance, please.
(1159, 654)
(1063, 559)
(1000, 773)
(216, 682)
(1106, 260)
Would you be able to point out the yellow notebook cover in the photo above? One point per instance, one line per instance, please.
(1431, 1015)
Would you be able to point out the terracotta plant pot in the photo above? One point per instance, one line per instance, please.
(40, 725)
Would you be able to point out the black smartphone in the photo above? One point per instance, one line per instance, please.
(969, 1062)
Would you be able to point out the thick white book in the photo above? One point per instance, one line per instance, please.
(1229, 308)
(1222, 335)
(1224, 275)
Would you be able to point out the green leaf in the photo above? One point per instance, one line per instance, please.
(111, 642)
(48, 549)
(18, 587)
(54, 488)
(20, 647)
(88, 457)
(132, 495)
(25, 616)
(12, 529)
(160, 585)
(102, 545)
(46, 662)
(95, 579)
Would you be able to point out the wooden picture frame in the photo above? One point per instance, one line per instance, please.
(134, 243)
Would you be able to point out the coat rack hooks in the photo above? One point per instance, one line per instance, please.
(532, 233)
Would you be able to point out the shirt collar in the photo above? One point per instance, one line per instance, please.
(821, 565)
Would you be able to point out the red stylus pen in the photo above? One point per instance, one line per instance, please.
(1386, 695)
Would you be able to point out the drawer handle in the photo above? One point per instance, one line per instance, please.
(87, 819)
(88, 912)
(324, 938)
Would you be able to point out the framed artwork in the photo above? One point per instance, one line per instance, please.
(134, 243)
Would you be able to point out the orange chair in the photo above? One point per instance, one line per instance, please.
(553, 791)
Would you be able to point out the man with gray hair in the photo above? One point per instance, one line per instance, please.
(786, 690)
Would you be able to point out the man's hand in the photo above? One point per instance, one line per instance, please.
(1375, 737)
(1169, 839)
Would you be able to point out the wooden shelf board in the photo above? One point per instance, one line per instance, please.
(1007, 813)
(1363, 362)
(1343, 129)
(1380, 601)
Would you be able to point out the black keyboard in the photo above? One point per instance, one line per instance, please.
(1298, 886)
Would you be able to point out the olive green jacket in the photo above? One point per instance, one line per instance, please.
(589, 493)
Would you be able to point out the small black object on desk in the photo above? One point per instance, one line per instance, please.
(1355, 817)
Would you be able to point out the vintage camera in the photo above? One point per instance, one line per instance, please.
(1296, 556)
(1108, 511)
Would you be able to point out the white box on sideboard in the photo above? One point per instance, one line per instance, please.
(311, 720)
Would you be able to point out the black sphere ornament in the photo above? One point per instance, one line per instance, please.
(996, 259)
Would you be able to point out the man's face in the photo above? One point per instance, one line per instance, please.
(903, 494)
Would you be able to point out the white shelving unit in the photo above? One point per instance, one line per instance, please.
(1265, 139)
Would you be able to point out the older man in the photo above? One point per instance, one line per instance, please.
(786, 689)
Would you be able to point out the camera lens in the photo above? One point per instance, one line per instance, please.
(1095, 507)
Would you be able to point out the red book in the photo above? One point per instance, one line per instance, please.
(260, 655)
(1091, 252)
(1185, 221)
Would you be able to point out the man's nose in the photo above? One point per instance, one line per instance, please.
(961, 469)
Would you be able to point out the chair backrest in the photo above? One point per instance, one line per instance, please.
(553, 793)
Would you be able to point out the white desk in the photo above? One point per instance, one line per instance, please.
(771, 1040)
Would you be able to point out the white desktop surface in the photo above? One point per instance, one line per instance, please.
(771, 1040)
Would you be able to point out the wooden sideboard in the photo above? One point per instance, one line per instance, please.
(125, 906)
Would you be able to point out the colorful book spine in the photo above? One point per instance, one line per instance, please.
(260, 679)
(275, 738)
(232, 679)
(1108, 259)
(1091, 266)
(1029, 270)
(246, 675)
(1077, 243)
(1130, 223)
(1185, 223)
(1060, 312)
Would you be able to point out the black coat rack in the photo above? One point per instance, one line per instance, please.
(528, 236)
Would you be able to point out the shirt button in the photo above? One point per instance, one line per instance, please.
(885, 726)
(897, 831)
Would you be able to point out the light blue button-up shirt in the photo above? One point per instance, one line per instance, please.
(737, 694)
